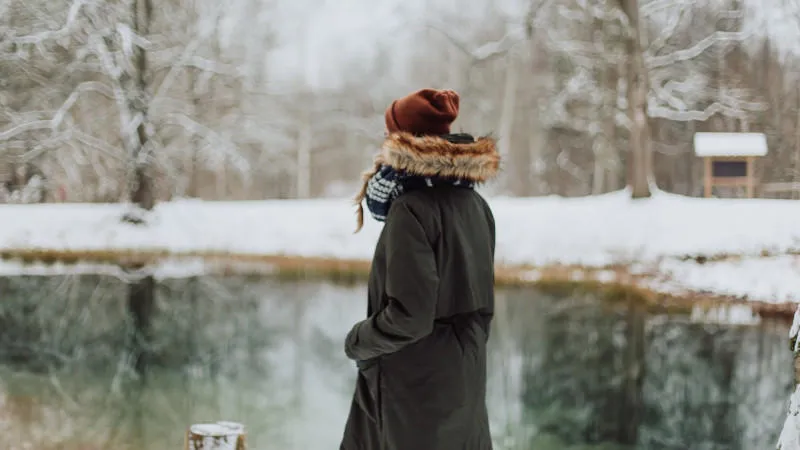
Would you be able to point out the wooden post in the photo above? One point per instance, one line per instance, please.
(707, 177)
(215, 436)
(751, 185)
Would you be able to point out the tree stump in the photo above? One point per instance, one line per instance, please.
(215, 436)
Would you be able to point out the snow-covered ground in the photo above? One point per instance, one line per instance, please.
(590, 231)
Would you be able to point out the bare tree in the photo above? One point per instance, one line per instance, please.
(639, 145)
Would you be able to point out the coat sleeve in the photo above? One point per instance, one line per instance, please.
(412, 284)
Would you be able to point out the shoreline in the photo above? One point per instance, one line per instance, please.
(610, 282)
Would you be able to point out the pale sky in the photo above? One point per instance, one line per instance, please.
(321, 43)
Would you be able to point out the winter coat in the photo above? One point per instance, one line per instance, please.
(421, 352)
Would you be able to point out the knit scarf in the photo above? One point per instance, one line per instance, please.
(387, 184)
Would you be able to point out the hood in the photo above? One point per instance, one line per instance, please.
(458, 156)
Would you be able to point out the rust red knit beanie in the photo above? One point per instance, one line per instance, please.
(426, 112)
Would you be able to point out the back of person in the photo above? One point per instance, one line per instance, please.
(421, 351)
(465, 251)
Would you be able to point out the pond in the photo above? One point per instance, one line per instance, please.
(566, 372)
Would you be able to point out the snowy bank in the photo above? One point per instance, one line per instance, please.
(656, 234)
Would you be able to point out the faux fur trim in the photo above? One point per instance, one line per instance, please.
(476, 161)
(432, 155)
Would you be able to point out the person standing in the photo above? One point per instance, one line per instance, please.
(421, 351)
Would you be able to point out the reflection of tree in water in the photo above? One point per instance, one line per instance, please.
(712, 387)
(58, 321)
(575, 388)
(270, 355)
(623, 378)
(66, 339)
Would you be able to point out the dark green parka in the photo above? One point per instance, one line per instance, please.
(421, 352)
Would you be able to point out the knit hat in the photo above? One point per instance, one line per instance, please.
(425, 112)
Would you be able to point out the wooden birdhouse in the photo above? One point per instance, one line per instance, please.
(729, 159)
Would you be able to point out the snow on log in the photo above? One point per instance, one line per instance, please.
(215, 436)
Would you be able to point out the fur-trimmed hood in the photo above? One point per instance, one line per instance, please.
(465, 159)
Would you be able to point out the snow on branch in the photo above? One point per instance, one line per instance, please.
(488, 50)
(86, 86)
(114, 72)
(656, 6)
(602, 10)
(675, 99)
(56, 121)
(95, 143)
(174, 57)
(222, 145)
(660, 111)
(130, 39)
(582, 52)
(654, 62)
(172, 75)
(24, 127)
(498, 48)
(669, 29)
(38, 38)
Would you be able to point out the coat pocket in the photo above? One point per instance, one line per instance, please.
(368, 391)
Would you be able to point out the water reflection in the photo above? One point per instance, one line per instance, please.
(565, 373)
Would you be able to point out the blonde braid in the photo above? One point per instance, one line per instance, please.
(362, 194)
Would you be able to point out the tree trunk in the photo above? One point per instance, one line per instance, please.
(216, 436)
(194, 144)
(537, 166)
(640, 150)
(612, 159)
(141, 294)
(506, 125)
(796, 152)
(303, 170)
(142, 193)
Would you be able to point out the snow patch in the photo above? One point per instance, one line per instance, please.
(773, 280)
(652, 235)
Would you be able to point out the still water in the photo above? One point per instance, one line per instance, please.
(565, 372)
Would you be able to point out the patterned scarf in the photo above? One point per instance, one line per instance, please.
(388, 184)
